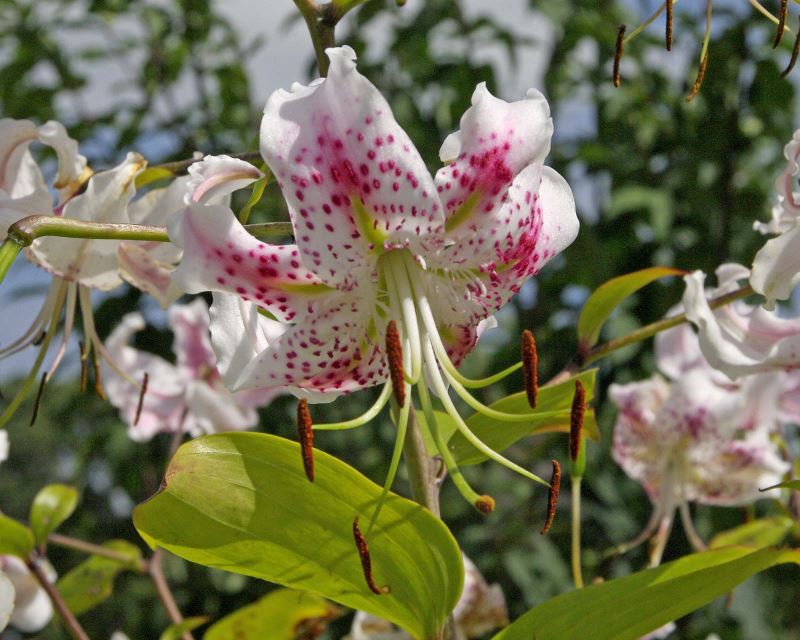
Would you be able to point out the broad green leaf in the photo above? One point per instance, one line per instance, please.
(629, 607)
(501, 435)
(763, 532)
(241, 502)
(789, 484)
(176, 631)
(278, 616)
(92, 581)
(608, 296)
(51, 506)
(15, 538)
(152, 174)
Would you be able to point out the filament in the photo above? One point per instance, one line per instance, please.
(69, 318)
(364, 418)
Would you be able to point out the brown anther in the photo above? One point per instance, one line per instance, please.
(39, 339)
(98, 384)
(140, 404)
(485, 504)
(795, 53)
(576, 420)
(38, 399)
(669, 25)
(366, 561)
(394, 358)
(781, 24)
(698, 82)
(305, 432)
(552, 497)
(530, 367)
(620, 47)
(84, 366)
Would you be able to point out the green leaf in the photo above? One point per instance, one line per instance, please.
(255, 196)
(176, 631)
(15, 538)
(152, 174)
(763, 532)
(51, 506)
(278, 615)
(92, 581)
(501, 435)
(609, 295)
(789, 484)
(241, 502)
(629, 607)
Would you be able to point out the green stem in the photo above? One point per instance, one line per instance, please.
(577, 573)
(94, 549)
(180, 166)
(656, 327)
(9, 251)
(321, 22)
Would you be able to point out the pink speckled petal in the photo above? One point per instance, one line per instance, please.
(93, 263)
(353, 180)
(329, 353)
(215, 177)
(192, 345)
(139, 268)
(219, 255)
(497, 141)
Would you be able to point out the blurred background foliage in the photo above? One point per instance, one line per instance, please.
(658, 181)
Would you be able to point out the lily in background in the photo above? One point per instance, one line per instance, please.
(696, 437)
(385, 252)
(188, 396)
(24, 604)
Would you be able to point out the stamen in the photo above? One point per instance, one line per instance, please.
(618, 50)
(485, 504)
(140, 404)
(795, 53)
(669, 25)
(552, 497)
(364, 418)
(69, 317)
(530, 367)
(84, 349)
(781, 24)
(366, 561)
(38, 398)
(306, 434)
(576, 420)
(698, 82)
(394, 358)
(98, 383)
(39, 339)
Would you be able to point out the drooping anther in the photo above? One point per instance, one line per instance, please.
(38, 399)
(620, 47)
(84, 366)
(576, 420)
(530, 367)
(698, 82)
(394, 358)
(485, 504)
(39, 339)
(366, 561)
(552, 497)
(140, 403)
(795, 52)
(305, 432)
(781, 24)
(669, 25)
(98, 385)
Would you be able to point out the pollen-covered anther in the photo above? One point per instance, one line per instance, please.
(669, 25)
(618, 50)
(394, 358)
(530, 367)
(781, 24)
(98, 384)
(38, 402)
(84, 349)
(698, 81)
(795, 53)
(576, 420)
(485, 504)
(552, 497)
(305, 432)
(366, 561)
(140, 403)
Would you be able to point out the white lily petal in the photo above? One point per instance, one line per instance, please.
(776, 267)
(7, 595)
(32, 608)
(215, 177)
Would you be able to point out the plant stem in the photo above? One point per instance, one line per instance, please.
(577, 573)
(658, 326)
(70, 621)
(95, 550)
(421, 468)
(9, 251)
(321, 22)
(164, 592)
(180, 166)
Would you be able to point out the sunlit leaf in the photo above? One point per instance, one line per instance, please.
(15, 538)
(151, 174)
(763, 532)
(92, 581)
(242, 502)
(629, 607)
(609, 295)
(279, 615)
(501, 435)
(789, 484)
(176, 631)
(51, 506)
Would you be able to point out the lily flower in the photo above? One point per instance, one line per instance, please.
(738, 338)
(379, 242)
(188, 396)
(23, 601)
(696, 438)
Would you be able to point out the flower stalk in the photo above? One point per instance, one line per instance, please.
(70, 621)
